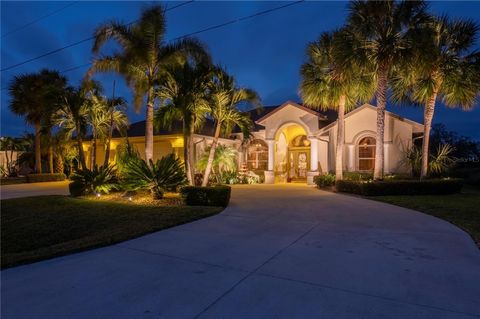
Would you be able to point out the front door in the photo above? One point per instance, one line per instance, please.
(298, 164)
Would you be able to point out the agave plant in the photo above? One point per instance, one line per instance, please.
(164, 175)
(101, 179)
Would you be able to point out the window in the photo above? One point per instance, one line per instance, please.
(300, 141)
(257, 155)
(366, 154)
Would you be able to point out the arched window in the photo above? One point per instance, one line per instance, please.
(366, 154)
(300, 141)
(257, 155)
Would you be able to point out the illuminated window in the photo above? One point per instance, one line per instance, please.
(257, 155)
(300, 141)
(366, 154)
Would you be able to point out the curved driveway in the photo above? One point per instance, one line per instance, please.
(284, 251)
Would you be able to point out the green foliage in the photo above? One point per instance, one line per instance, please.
(400, 187)
(126, 153)
(225, 160)
(99, 180)
(357, 176)
(164, 175)
(439, 163)
(324, 180)
(45, 177)
(206, 196)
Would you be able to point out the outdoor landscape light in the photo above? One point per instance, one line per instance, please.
(98, 195)
(129, 198)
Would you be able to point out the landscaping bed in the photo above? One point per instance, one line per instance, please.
(43, 227)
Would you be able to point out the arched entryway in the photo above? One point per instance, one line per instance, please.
(292, 154)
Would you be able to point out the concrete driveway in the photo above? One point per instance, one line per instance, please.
(287, 251)
(34, 189)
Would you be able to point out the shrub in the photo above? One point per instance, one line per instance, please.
(324, 180)
(206, 196)
(45, 177)
(357, 176)
(164, 175)
(99, 180)
(400, 187)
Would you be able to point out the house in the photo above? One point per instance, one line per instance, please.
(293, 143)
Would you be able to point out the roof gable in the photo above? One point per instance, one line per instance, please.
(290, 103)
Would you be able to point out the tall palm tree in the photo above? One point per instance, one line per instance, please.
(35, 96)
(98, 121)
(444, 69)
(224, 98)
(143, 57)
(378, 36)
(328, 84)
(182, 91)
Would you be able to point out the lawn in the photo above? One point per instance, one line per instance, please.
(37, 228)
(461, 209)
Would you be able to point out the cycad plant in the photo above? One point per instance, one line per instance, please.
(164, 175)
(329, 84)
(224, 97)
(445, 70)
(101, 179)
(142, 58)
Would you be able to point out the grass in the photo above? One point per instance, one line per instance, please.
(37, 228)
(462, 210)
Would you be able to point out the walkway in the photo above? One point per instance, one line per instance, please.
(34, 189)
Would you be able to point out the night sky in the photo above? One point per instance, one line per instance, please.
(263, 53)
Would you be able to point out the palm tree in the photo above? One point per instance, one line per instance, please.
(72, 118)
(35, 96)
(224, 98)
(444, 69)
(328, 84)
(142, 59)
(98, 121)
(10, 145)
(182, 91)
(117, 120)
(378, 41)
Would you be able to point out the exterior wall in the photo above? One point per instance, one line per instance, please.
(363, 123)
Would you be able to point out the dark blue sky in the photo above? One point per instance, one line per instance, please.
(264, 53)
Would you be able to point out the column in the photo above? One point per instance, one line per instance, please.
(313, 160)
(270, 174)
(351, 157)
(386, 158)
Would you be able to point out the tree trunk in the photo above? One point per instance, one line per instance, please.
(382, 85)
(149, 127)
(186, 156)
(93, 156)
(110, 130)
(81, 153)
(38, 150)
(340, 139)
(109, 140)
(211, 155)
(191, 150)
(50, 154)
(59, 166)
(427, 126)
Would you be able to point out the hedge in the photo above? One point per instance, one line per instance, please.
(400, 187)
(45, 177)
(206, 196)
(76, 189)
